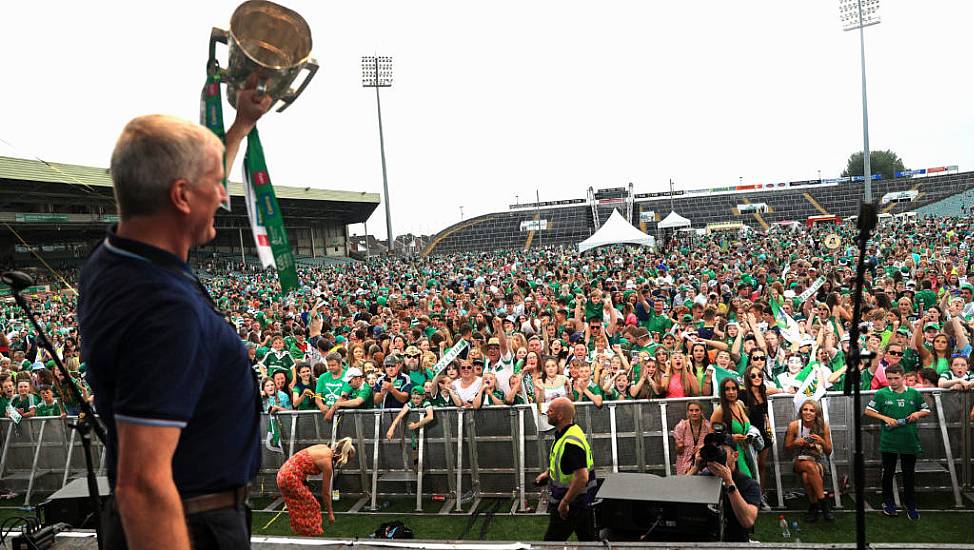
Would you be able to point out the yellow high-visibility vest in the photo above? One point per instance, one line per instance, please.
(560, 480)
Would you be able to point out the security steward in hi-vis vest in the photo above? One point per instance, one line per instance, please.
(571, 476)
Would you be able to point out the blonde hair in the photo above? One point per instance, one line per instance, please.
(343, 451)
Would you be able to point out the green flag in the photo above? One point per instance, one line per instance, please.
(720, 374)
(273, 439)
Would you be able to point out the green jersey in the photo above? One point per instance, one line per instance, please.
(593, 310)
(616, 395)
(441, 400)
(308, 404)
(25, 403)
(54, 409)
(419, 408)
(658, 323)
(910, 360)
(420, 376)
(278, 361)
(898, 439)
(364, 391)
(329, 387)
(592, 387)
(925, 299)
(742, 364)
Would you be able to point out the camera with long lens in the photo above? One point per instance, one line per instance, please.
(713, 450)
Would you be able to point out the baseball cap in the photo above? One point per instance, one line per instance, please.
(903, 330)
(933, 326)
(352, 373)
(412, 350)
(392, 360)
(493, 342)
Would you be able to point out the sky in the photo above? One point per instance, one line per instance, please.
(493, 102)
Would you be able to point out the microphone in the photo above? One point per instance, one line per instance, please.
(18, 280)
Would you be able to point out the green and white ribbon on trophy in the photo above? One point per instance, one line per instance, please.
(266, 221)
(258, 47)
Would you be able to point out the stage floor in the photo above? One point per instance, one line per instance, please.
(83, 540)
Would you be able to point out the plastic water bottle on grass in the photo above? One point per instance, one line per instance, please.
(783, 523)
(797, 532)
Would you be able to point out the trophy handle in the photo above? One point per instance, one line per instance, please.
(216, 35)
(312, 67)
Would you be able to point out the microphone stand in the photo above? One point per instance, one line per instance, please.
(866, 223)
(86, 422)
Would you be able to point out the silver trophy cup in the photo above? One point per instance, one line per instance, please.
(270, 41)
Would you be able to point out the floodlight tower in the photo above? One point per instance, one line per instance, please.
(859, 14)
(377, 73)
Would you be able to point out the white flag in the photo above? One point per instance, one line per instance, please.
(813, 387)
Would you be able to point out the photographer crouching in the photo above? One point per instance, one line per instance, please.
(742, 495)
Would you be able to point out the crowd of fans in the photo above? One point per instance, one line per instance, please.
(721, 315)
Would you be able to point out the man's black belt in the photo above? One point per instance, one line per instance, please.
(214, 501)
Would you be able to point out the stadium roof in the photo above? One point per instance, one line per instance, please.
(53, 172)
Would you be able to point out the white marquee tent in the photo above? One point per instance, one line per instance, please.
(673, 221)
(616, 230)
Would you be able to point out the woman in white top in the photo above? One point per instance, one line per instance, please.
(464, 389)
(548, 387)
(552, 384)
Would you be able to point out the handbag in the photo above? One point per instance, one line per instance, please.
(755, 438)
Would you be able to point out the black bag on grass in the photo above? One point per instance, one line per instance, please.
(393, 530)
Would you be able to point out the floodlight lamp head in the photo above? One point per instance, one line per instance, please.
(854, 16)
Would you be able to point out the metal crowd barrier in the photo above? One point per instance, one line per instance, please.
(467, 455)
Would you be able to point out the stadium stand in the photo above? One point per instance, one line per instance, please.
(954, 205)
(569, 225)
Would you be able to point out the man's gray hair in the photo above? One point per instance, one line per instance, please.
(152, 152)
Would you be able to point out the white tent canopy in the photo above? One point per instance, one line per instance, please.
(673, 221)
(616, 230)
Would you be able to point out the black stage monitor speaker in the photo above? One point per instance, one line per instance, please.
(71, 505)
(648, 507)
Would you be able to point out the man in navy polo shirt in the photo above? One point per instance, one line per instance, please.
(171, 377)
(392, 388)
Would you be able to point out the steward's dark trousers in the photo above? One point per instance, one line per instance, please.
(581, 521)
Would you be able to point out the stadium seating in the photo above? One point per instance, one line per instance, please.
(569, 225)
(955, 205)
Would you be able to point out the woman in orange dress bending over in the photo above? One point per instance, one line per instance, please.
(302, 506)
